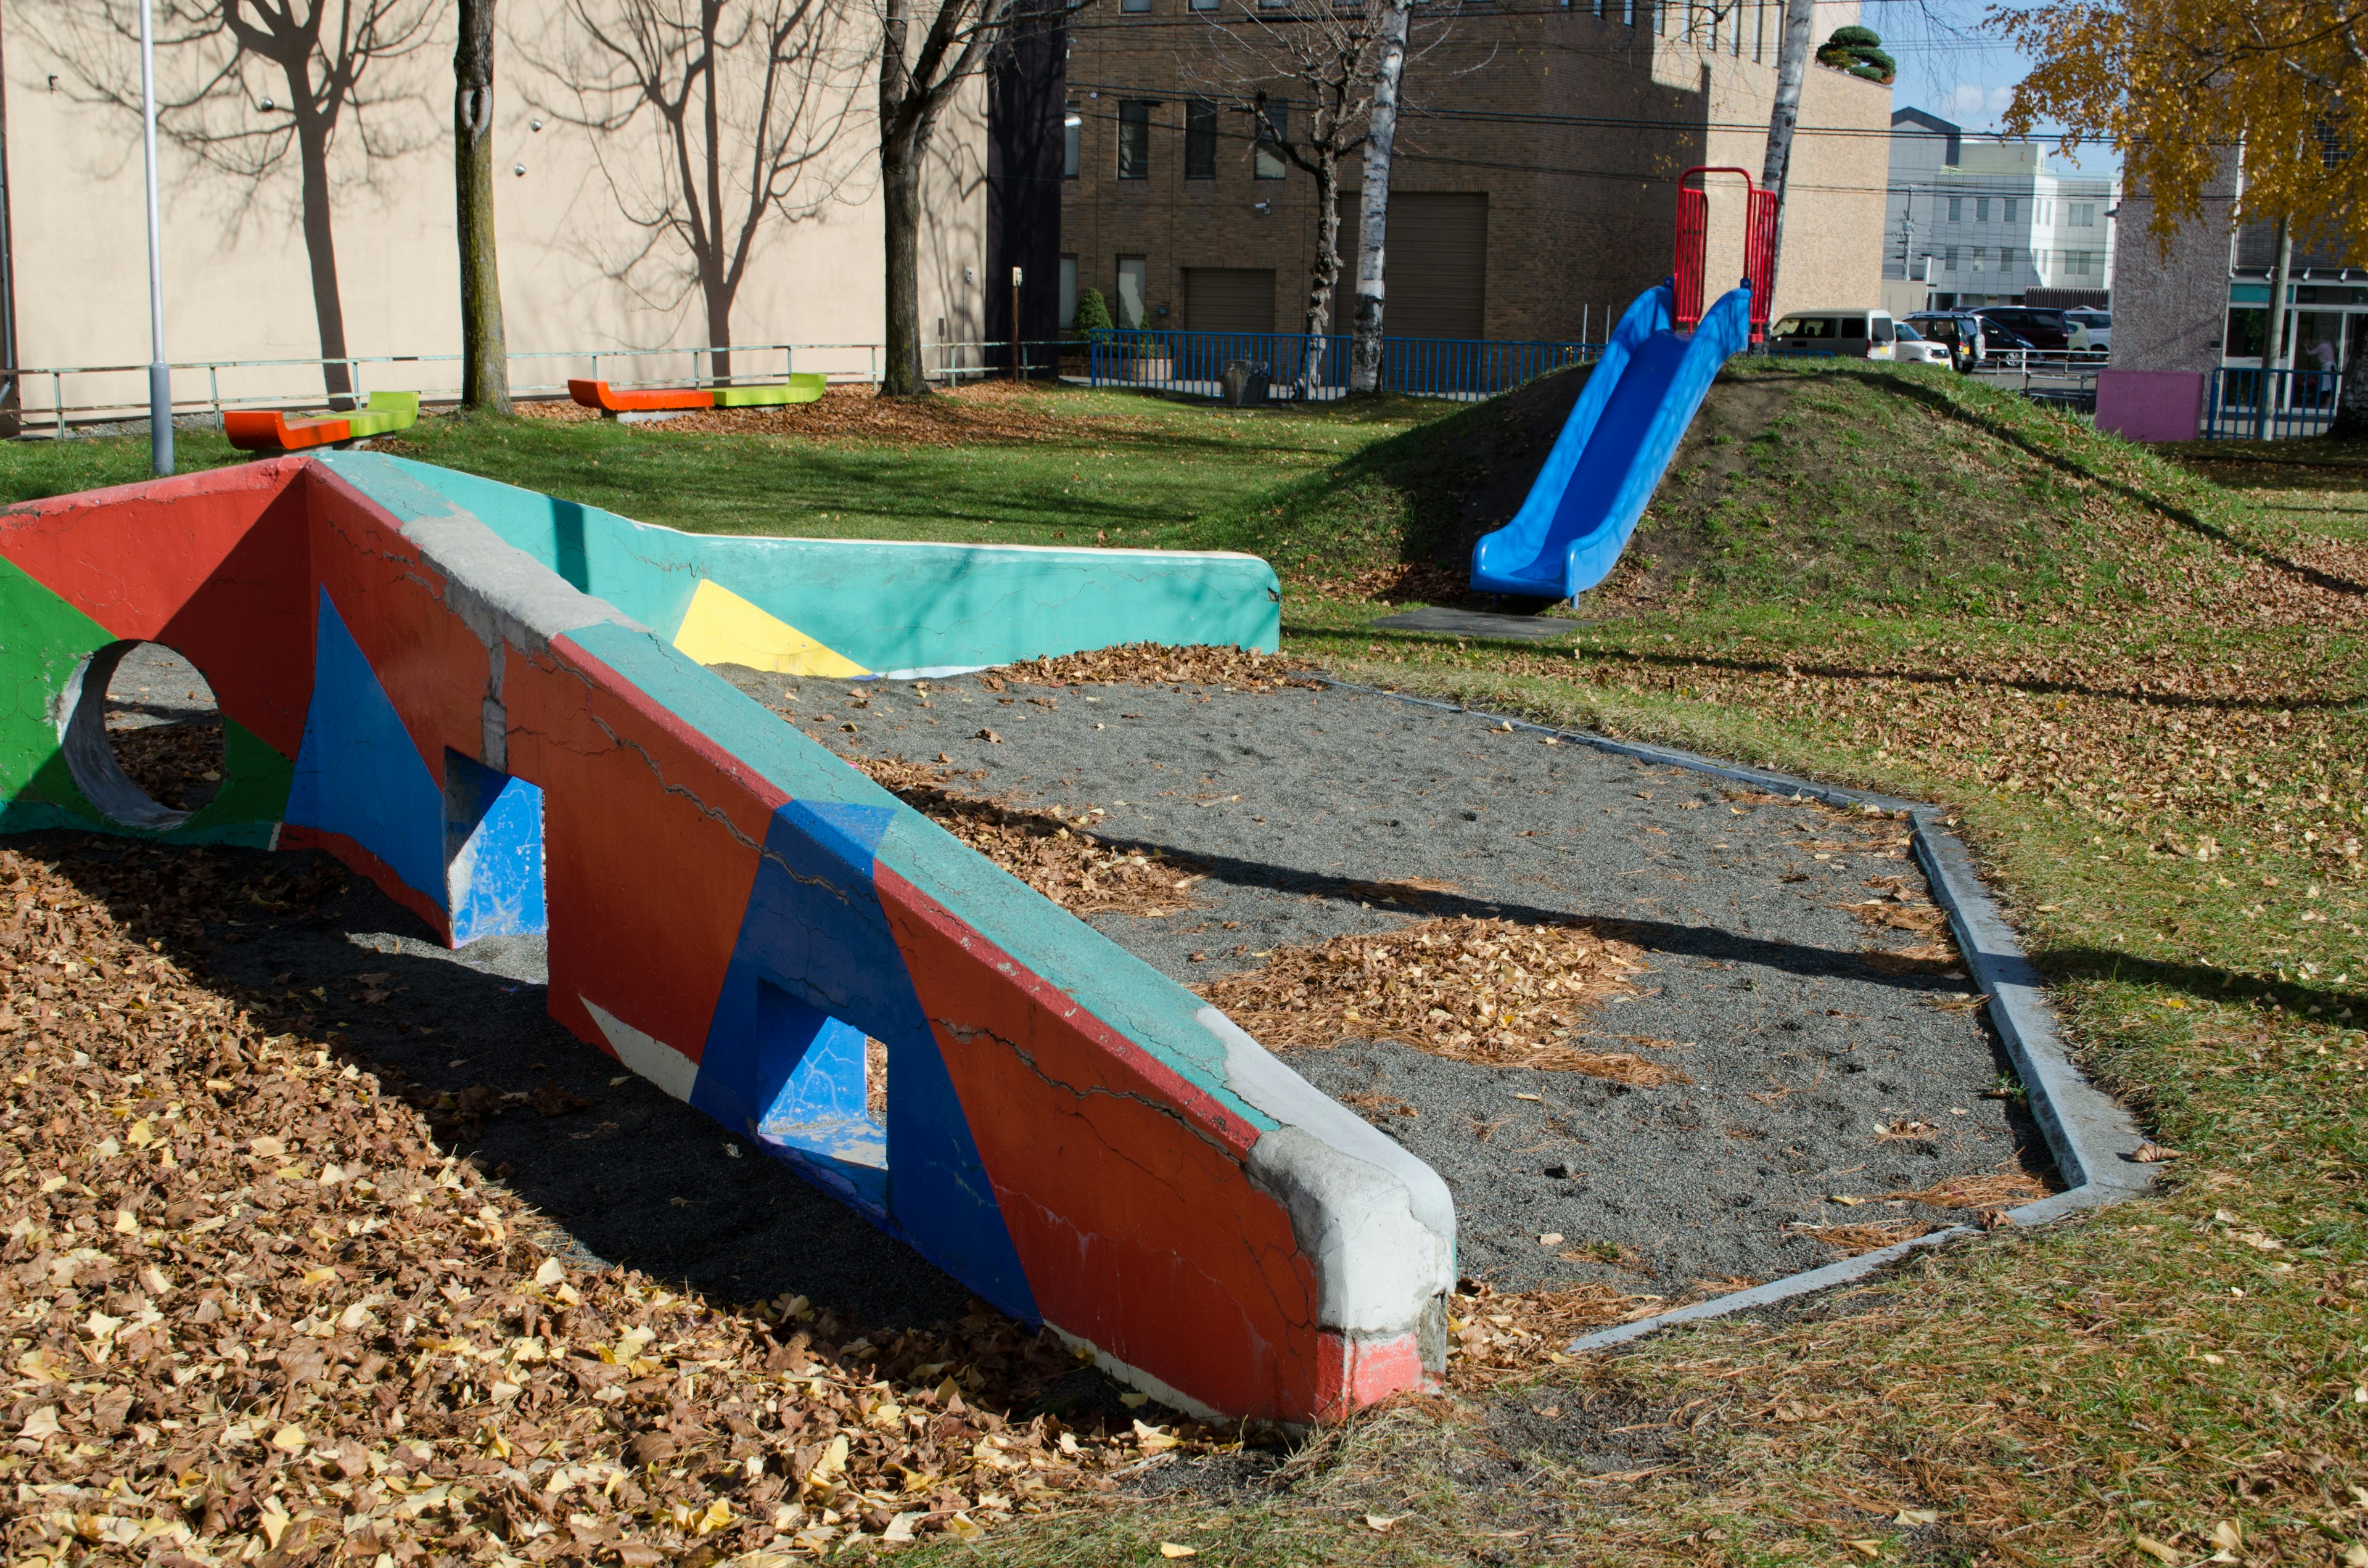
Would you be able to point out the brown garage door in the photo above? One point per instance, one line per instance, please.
(1228, 299)
(1436, 262)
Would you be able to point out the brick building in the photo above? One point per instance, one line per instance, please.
(1534, 186)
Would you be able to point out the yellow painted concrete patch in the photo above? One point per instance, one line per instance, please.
(722, 628)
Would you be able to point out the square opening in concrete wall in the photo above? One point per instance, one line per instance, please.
(493, 852)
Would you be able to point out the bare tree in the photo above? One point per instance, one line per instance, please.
(246, 86)
(484, 358)
(710, 119)
(916, 84)
(1373, 196)
(1338, 65)
(1784, 118)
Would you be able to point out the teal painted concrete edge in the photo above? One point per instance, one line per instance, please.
(888, 605)
(38, 816)
(1150, 1009)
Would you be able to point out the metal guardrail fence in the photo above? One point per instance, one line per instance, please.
(1305, 366)
(109, 393)
(2297, 402)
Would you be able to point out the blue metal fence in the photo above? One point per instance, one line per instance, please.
(2298, 402)
(1304, 365)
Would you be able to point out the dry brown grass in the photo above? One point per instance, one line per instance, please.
(1870, 1235)
(1998, 1189)
(1055, 854)
(1475, 990)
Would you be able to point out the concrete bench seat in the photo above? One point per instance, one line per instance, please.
(270, 429)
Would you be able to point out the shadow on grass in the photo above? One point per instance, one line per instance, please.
(1938, 400)
(2072, 963)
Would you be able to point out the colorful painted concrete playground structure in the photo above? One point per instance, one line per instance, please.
(495, 705)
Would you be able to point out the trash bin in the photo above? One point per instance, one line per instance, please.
(1245, 385)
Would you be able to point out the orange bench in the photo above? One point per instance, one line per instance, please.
(270, 429)
(607, 400)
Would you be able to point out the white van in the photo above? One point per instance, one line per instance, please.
(1854, 334)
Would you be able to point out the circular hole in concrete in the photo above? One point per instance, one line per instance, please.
(143, 737)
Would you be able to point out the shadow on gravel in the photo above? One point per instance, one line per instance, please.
(1655, 935)
(632, 1177)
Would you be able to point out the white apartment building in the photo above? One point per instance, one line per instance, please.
(1984, 222)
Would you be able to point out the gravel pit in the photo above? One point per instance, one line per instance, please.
(1815, 1053)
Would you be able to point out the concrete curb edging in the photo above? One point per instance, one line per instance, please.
(2094, 1138)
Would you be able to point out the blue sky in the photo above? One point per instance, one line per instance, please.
(1950, 64)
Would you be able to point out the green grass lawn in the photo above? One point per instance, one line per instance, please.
(2140, 686)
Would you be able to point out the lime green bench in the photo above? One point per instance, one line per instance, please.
(802, 387)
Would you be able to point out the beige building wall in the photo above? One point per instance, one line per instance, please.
(238, 285)
(1575, 126)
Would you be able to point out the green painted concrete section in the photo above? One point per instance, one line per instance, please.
(802, 387)
(1104, 978)
(42, 637)
(886, 605)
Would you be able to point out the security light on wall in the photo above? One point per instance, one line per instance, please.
(1263, 208)
(1073, 119)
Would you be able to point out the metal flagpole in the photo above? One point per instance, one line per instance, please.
(160, 379)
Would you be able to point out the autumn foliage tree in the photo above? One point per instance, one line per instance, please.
(2175, 85)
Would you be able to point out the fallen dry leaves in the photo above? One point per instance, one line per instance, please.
(1054, 853)
(1477, 990)
(253, 1313)
(1153, 663)
(1501, 1337)
(984, 412)
(177, 765)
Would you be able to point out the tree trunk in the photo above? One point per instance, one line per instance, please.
(1792, 70)
(484, 355)
(900, 201)
(1325, 275)
(718, 294)
(2274, 337)
(321, 246)
(1373, 200)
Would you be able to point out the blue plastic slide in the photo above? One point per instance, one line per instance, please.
(1613, 450)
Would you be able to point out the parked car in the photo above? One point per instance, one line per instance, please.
(1847, 332)
(1959, 332)
(2045, 329)
(1911, 347)
(2100, 327)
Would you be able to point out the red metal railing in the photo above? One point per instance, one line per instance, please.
(1694, 240)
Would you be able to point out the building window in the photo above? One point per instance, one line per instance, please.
(1068, 292)
(1978, 254)
(1949, 258)
(1200, 139)
(2011, 204)
(1134, 141)
(1266, 158)
(1204, 5)
(1134, 4)
(1134, 274)
(2006, 258)
(1072, 129)
(1759, 32)
(1956, 208)
(1981, 209)
(2082, 262)
(2084, 214)
(1628, 12)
